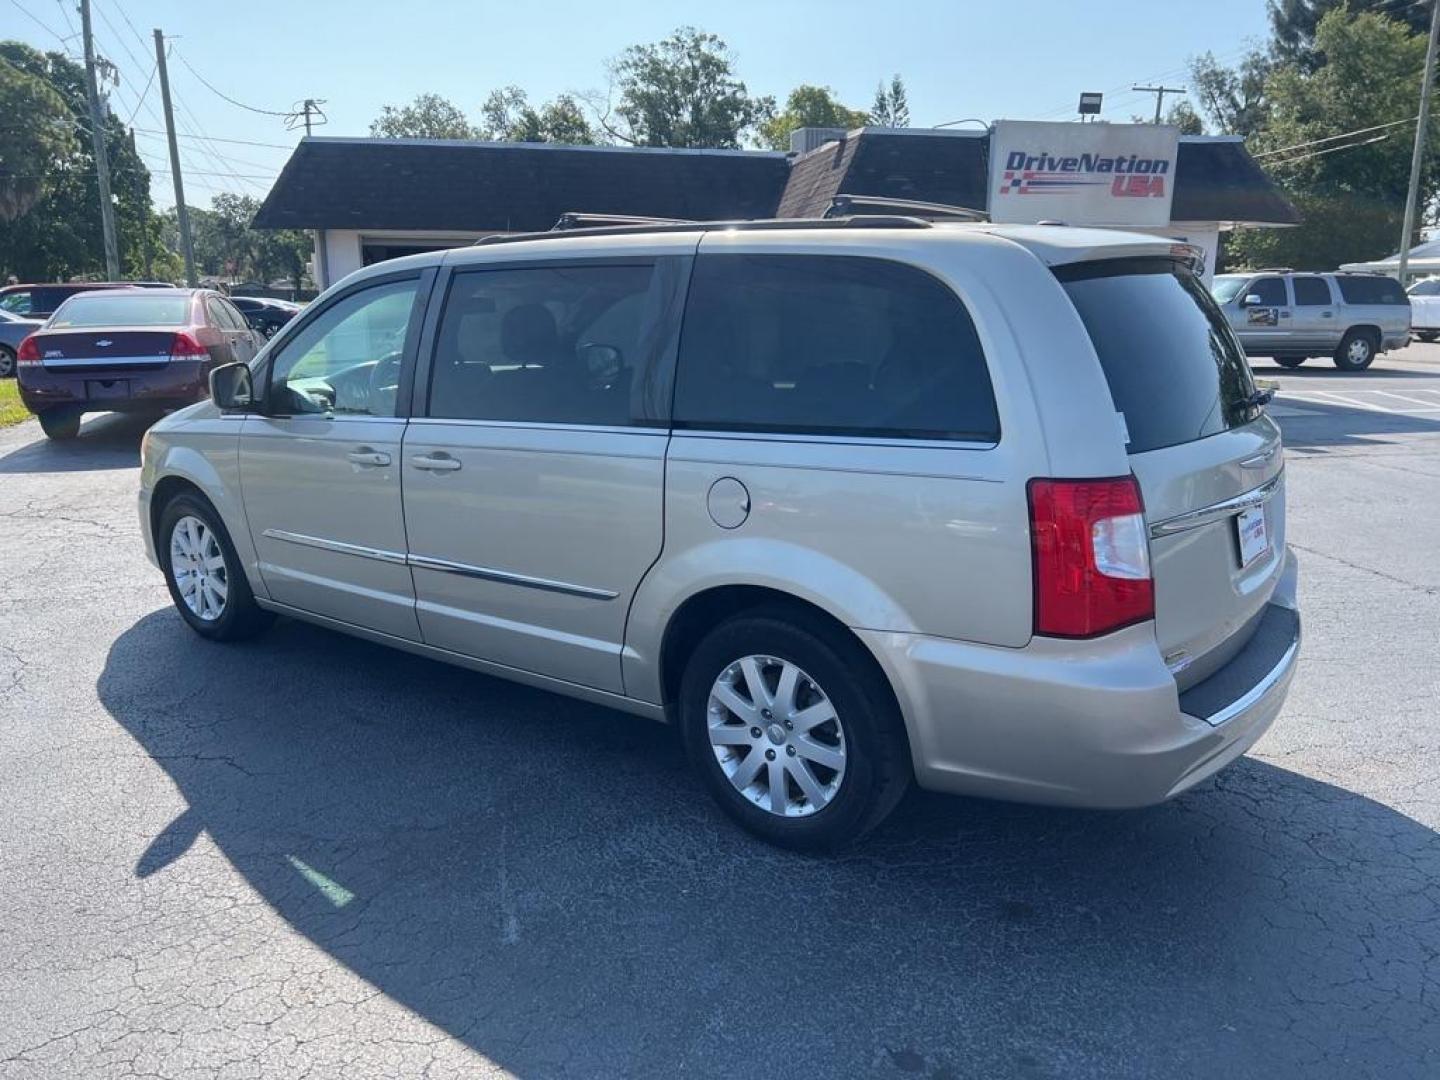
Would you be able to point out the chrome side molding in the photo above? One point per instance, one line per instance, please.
(445, 566)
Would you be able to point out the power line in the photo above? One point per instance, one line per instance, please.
(38, 22)
(1333, 138)
(1330, 150)
(221, 94)
(143, 94)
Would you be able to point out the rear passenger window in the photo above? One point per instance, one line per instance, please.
(546, 345)
(830, 345)
(1271, 291)
(1311, 291)
(1366, 289)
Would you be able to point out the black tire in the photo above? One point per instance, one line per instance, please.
(240, 617)
(1345, 362)
(877, 769)
(1290, 361)
(1429, 336)
(7, 362)
(60, 423)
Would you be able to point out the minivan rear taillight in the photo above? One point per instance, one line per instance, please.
(186, 347)
(1092, 556)
(28, 355)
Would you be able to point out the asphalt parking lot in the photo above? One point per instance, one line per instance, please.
(311, 856)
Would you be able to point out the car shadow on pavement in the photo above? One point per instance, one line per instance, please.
(109, 441)
(1313, 425)
(543, 880)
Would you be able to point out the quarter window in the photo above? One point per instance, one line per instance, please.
(1311, 292)
(830, 345)
(546, 344)
(346, 361)
(17, 303)
(1370, 289)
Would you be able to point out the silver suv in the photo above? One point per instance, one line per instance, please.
(1291, 316)
(851, 502)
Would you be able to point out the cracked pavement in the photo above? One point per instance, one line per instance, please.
(309, 856)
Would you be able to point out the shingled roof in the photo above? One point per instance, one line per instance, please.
(445, 185)
(437, 184)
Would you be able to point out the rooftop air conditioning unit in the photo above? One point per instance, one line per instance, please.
(805, 139)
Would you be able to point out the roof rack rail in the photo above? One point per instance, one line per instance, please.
(845, 205)
(862, 221)
(1275, 270)
(578, 219)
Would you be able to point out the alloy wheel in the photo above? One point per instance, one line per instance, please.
(776, 736)
(1359, 350)
(197, 563)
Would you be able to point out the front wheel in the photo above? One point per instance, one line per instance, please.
(1357, 351)
(203, 573)
(793, 730)
(1428, 336)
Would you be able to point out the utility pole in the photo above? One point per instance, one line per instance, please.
(1417, 156)
(102, 162)
(1159, 92)
(182, 213)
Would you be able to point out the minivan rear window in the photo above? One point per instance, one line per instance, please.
(1370, 289)
(1175, 370)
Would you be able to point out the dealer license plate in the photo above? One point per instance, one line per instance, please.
(1253, 533)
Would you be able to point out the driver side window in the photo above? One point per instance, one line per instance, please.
(347, 361)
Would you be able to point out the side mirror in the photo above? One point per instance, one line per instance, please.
(231, 388)
(1252, 300)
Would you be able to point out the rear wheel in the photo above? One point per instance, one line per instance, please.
(1357, 350)
(793, 730)
(1290, 361)
(7, 361)
(60, 423)
(203, 573)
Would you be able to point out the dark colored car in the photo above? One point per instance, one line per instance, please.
(264, 313)
(40, 301)
(13, 330)
(132, 350)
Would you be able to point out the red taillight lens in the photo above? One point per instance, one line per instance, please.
(28, 354)
(186, 347)
(1092, 556)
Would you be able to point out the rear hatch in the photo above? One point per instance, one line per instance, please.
(112, 350)
(1208, 461)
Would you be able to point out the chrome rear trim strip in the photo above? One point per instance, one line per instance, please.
(445, 566)
(58, 363)
(379, 554)
(1194, 519)
(1259, 690)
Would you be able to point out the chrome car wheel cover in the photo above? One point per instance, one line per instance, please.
(1359, 350)
(776, 736)
(197, 564)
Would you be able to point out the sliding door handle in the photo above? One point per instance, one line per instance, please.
(435, 462)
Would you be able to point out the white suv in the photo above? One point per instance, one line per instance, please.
(852, 502)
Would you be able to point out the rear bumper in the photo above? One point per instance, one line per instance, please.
(1098, 726)
(179, 382)
(1396, 340)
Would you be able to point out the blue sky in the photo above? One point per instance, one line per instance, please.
(1018, 60)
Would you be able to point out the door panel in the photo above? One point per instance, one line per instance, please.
(1266, 328)
(321, 473)
(1315, 325)
(534, 487)
(528, 553)
(325, 517)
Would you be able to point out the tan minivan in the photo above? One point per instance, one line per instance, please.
(853, 502)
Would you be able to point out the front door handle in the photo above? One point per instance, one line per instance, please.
(364, 455)
(435, 462)
(1327, 314)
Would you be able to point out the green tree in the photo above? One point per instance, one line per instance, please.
(1352, 195)
(509, 117)
(1295, 24)
(1233, 98)
(59, 235)
(891, 109)
(228, 246)
(682, 91)
(809, 106)
(429, 116)
(34, 141)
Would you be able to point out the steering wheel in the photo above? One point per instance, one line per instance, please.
(385, 384)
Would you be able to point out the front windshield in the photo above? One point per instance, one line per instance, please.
(1226, 286)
